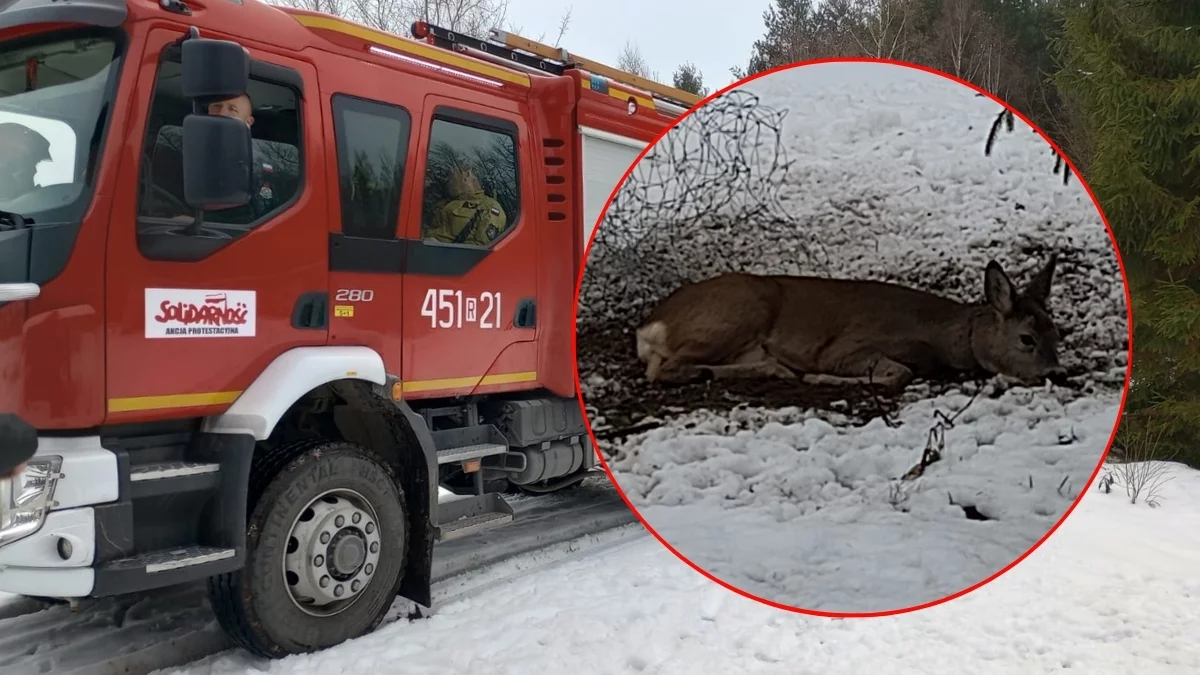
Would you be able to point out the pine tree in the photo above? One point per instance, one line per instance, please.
(1132, 69)
(688, 78)
(788, 25)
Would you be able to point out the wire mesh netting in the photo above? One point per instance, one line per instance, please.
(682, 213)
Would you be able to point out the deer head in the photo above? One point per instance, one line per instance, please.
(1017, 337)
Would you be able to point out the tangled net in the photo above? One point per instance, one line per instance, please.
(682, 216)
(678, 216)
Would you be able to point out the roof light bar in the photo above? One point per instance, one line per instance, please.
(446, 70)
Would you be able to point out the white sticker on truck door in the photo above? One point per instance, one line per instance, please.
(194, 313)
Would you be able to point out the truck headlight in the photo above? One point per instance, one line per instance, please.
(25, 498)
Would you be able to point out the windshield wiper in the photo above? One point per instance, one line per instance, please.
(10, 220)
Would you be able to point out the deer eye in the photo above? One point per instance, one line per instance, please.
(1027, 340)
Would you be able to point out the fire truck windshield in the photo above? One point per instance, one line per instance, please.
(54, 107)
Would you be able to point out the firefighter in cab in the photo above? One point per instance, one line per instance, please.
(22, 149)
(470, 216)
(263, 200)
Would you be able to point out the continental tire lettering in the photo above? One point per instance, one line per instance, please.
(449, 308)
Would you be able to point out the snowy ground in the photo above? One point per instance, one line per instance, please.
(808, 513)
(801, 506)
(1115, 591)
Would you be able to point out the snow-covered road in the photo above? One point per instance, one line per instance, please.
(1115, 591)
(135, 634)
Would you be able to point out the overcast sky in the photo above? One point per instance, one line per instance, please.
(713, 34)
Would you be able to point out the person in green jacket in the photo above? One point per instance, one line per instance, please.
(470, 216)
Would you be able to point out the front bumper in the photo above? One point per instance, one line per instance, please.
(47, 521)
(100, 516)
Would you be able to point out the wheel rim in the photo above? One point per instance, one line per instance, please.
(332, 552)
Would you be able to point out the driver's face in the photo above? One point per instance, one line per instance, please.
(238, 107)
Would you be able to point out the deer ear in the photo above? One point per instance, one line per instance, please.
(998, 289)
(1038, 288)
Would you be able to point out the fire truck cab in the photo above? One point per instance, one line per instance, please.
(271, 280)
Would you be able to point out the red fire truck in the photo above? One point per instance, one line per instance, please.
(245, 352)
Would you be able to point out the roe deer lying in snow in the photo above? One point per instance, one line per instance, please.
(840, 331)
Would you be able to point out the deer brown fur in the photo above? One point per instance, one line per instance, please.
(841, 331)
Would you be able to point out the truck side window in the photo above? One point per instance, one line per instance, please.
(372, 146)
(272, 110)
(472, 195)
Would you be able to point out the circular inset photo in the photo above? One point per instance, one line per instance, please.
(852, 338)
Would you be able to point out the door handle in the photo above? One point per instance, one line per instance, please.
(24, 291)
(310, 311)
(526, 313)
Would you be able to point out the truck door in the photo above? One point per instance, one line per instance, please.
(194, 317)
(371, 127)
(471, 270)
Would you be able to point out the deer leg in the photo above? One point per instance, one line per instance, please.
(653, 366)
(675, 370)
(864, 366)
(852, 366)
(754, 363)
(762, 370)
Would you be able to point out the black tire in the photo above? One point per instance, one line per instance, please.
(253, 605)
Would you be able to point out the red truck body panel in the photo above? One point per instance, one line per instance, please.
(78, 356)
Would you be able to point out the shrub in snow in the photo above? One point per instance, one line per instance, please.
(1139, 465)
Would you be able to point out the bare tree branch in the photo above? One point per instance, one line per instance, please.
(631, 61)
(885, 27)
(563, 24)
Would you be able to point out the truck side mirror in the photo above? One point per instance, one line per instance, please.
(213, 70)
(217, 154)
(217, 151)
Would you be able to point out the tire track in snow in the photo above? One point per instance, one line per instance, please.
(167, 628)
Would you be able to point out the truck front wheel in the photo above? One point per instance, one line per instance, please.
(325, 552)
